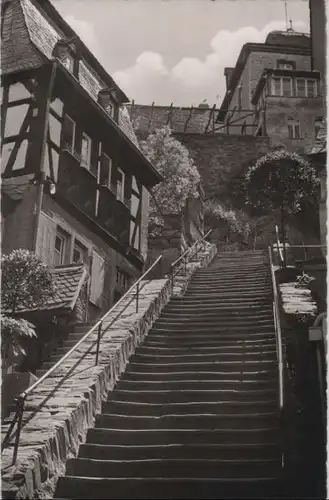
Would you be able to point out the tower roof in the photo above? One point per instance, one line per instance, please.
(288, 38)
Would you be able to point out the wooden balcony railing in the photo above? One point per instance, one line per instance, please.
(79, 187)
(77, 184)
(113, 215)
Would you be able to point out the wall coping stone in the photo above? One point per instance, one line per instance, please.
(54, 434)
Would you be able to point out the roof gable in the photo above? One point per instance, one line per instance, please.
(18, 53)
(68, 281)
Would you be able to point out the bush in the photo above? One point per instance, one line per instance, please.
(13, 333)
(26, 282)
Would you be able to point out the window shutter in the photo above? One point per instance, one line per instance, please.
(97, 279)
(46, 240)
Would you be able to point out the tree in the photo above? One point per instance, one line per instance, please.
(236, 221)
(281, 180)
(14, 334)
(181, 176)
(26, 282)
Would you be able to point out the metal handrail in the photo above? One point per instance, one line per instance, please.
(22, 397)
(279, 246)
(189, 252)
(278, 333)
(307, 246)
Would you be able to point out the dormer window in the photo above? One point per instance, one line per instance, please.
(283, 64)
(62, 52)
(68, 62)
(106, 101)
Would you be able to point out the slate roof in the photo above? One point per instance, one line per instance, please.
(126, 125)
(17, 51)
(68, 281)
(28, 42)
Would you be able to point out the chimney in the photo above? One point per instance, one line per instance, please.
(228, 75)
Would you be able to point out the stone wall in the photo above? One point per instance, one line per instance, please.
(18, 211)
(67, 402)
(220, 158)
(305, 111)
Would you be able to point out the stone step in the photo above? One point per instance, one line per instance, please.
(172, 468)
(180, 436)
(142, 357)
(239, 266)
(219, 314)
(250, 377)
(235, 344)
(232, 287)
(146, 348)
(176, 303)
(185, 395)
(213, 323)
(188, 421)
(259, 273)
(219, 406)
(194, 383)
(232, 329)
(224, 302)
(228, 336)
(227, 295)
(229, 366)
(182, 451)
(69, 487)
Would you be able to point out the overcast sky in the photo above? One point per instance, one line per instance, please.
(175, 50)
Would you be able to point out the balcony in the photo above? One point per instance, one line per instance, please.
(113, 215)
(76, 183)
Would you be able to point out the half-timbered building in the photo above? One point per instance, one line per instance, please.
(74, 181)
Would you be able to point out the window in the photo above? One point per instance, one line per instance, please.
(79, 253)
(60, 248)
(68, 62)
(286, 64)
(85, 151)
(105, 170)
(318, 125)
(306, 87)
(286, 87)
(311, 88)
(68, 134)
(120, 185)
(282, 86)
(122, 279)
(276, 86)
(300, 87)
(293, 130)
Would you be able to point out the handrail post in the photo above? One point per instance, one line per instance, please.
(20, 411)
(98, 342)
(137, 298)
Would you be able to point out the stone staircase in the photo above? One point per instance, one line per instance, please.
(195, 414)
(78, 331)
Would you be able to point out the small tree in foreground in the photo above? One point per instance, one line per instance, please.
(181, 176)
(26, 282)
(281, 180)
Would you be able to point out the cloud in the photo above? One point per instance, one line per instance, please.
(191, 80)
(85, 31)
